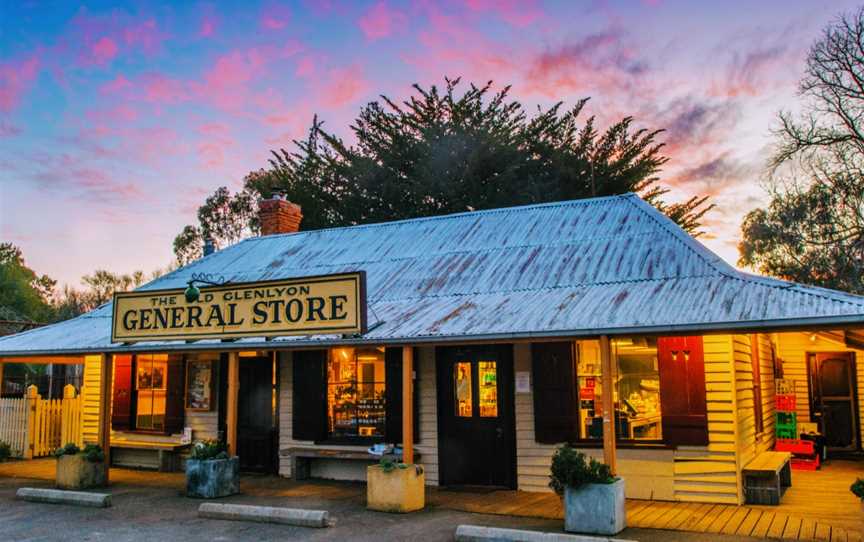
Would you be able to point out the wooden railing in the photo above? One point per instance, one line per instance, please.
(35, 427)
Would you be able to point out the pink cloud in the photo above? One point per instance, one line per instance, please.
(381, 21)
(208, 27)
(104, 51)
(16, 77)
(117, 85)
(275, 17)
(9, 130)
(145, 35)
(343, 86)
(515, 12)
(305, 67)
(160, 89)
(115, 115)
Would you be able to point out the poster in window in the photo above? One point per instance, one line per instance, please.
(199, 385)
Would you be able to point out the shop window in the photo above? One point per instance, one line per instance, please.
(356, 392)
(148, 393)
(150, 388)
(638, 413)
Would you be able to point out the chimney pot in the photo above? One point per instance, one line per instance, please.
(209, 246)
(278, 215)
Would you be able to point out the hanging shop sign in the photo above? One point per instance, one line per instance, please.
(330, 304)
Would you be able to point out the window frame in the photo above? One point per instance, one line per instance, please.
(331, 438)
(585, 442)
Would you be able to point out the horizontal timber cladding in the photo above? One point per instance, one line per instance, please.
(204, 424)
(792, 349)
(687, 473)
(427, 445)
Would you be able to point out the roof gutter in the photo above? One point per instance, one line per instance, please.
(753, 326)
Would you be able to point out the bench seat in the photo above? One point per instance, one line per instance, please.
(166, 454)
(301, 458)
(767, 477)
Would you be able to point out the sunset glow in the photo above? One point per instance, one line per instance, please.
(117, 120)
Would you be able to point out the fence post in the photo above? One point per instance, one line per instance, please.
(30, 440)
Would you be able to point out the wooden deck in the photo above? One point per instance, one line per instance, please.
(818, 506)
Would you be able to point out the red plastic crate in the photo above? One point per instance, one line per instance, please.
(785, 403)
(805, 464)
(795, 446)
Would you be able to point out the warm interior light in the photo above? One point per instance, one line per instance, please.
(250, 354)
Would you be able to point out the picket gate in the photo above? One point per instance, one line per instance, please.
(35, 427)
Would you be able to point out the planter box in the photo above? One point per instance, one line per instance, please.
(595, 509)
(75, 472)
(400, 490)
(212, 478)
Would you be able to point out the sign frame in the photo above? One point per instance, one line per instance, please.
(359, 290)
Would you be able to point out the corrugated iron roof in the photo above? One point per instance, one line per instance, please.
(573, 268)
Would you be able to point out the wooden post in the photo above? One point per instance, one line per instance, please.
(231, 406)
(106, 377)
(30, 441)
(608, 378)
(2, 384)
(407, 404)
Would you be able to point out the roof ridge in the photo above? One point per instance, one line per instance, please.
(449, 216)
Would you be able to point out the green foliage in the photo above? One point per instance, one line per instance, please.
(70, 448)
(24, 295)
(572, 468)
(5, 451)
(857, 488)
(445, 151)
(209, 449)
(93, 453)
(388, 464)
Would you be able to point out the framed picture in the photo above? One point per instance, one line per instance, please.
(199, 385)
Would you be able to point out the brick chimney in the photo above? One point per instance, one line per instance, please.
(278, 215)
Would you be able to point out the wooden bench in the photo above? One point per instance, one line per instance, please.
(167, 453)
(301, 458)
(767, 478)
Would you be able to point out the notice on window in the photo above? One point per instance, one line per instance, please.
(523, 382)
(330, 304)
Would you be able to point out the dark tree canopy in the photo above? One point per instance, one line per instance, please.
(24, 295)
(812, 230)
(444, 151)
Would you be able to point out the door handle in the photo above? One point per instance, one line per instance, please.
(499, 432)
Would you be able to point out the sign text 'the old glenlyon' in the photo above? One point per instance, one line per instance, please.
(326, 305)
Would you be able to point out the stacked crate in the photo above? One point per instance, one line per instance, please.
(803, 452)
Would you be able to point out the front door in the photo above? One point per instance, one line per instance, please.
(833, 404)
(256, 430)
(476, 431)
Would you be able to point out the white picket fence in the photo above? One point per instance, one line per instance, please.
(35, 427)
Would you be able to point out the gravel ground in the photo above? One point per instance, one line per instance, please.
(155, 514)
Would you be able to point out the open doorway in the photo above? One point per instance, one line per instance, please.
(833, 401)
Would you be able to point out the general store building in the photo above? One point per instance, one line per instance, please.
(514, 324)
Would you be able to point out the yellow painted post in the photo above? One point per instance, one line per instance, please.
(233, 391)
(407, 405)
(106, 373)
(30, 441)
(608, 378)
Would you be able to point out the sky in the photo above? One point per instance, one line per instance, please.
(117, 119)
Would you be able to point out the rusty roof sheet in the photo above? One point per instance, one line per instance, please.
(573, 268)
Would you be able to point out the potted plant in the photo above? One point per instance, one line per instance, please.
(5, 451)
(80, 469)
(593, 498)
(395, 487)
(210, 472)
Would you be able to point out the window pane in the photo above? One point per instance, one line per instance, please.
(144, 411)
(638, 414)
(487, 375)
(590, 390)
(356, 392)
(462, 385)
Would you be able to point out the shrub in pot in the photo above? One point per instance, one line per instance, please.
(210, 472)
(5, 451)
(395, 487)
(80, 469)
(593, 498)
